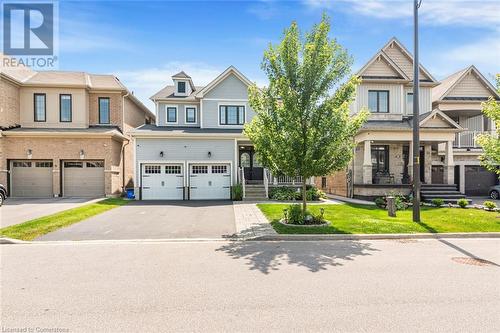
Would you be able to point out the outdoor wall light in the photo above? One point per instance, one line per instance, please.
(82, 154)
(29, 152)
(161, 154)
(209, 154)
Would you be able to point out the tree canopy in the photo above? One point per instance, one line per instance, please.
(490, 159)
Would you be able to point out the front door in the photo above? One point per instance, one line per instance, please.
(254, 172)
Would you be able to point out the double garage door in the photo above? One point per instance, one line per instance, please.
(35, 178)
(164, 181)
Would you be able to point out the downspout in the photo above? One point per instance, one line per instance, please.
(128, 141)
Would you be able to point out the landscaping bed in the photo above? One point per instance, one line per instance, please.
(32, 229)
(369, 219)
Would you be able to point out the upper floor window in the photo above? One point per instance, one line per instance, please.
(171, 114)
(104, 110)
(65, 112)
(190, 115)
(409, 103)
(231, 115)
(181, 87)
(378, 100)
(40, 103)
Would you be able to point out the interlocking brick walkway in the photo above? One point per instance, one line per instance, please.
(250, 222)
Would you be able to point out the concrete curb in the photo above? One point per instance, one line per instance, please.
(326, 237)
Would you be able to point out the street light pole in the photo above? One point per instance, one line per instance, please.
(416, 117)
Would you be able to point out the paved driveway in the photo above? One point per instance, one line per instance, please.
(18, 210)
(155, 220)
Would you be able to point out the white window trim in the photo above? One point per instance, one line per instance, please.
(231, 103)
(176, 114)
(177, 93)
(195, 114)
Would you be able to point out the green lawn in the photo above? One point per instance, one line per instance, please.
(32, 229)
(367, 219)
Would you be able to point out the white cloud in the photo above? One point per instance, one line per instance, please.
(480, 13)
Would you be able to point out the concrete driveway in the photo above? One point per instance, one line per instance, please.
(18, 210)
(154, 220)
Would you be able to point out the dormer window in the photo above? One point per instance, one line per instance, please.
(181, 87)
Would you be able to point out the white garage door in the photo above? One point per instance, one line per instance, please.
(210, 181)
(162, 182)
(31, 179)
(83, 179)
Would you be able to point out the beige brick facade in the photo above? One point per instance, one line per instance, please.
(115, 104)
(9, 104)
(336, 183)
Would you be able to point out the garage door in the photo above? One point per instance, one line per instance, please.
(31, 179)
(162, 182)
(478, 180)
(83, 179)
(210, 181)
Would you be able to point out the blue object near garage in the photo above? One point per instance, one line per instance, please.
(130, 193)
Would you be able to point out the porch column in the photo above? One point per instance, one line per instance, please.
(428, 164)
(367, 163)
(410, 161)
(449, 165)
(462, 179)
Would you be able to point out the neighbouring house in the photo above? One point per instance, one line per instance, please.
(449, 118)
(197, 149)
(66, 133)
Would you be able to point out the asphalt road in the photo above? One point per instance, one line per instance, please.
(368, 286)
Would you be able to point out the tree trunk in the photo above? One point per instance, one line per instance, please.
(304, 199)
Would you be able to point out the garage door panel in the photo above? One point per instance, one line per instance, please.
(83, 179)
(209, 182)
(162, 182)
(478, 180)
(32, 179)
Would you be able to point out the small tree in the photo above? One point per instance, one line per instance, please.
(301, 128)
(490, 159)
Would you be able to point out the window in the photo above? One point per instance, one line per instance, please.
(103, 110)
(245, 160)
(323, 182)
(378, 100)
(172, 169)
(380, 159)
(190, 115)
(43, 164)
(231, 115)
(219, 168)
(73, 164)
(40, 107)
(96, 164)
(21, 164)
(199, 169)
(181, 87)
(171, 114)
(152, 169)
(409, 103)
(65, 112)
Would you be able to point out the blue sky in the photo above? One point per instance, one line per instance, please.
(145, 42)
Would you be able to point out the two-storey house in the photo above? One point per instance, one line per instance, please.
(66, 133)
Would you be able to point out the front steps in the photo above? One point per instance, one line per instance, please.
(449, 193)
(255, 192)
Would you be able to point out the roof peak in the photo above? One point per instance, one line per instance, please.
(181, 74)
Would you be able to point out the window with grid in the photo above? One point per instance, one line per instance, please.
(378, 101)
(231, 115)
(199, 169)
(73, 164)
(219, 168)
(172, 169)
(43, 164)
(22, 164)
(152, 169)
(96, 164)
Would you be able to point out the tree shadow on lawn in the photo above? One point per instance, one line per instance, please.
(316, 256)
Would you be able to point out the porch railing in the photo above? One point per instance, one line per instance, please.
(285, 180)
(468, 139)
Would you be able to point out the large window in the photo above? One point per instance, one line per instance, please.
(40, 107)
(171, 114)
(409, 103)
(231, 115)
(378, 100)
(190, 115)
(65, 112)
(380, 160)
(104, 110)
(181, 87)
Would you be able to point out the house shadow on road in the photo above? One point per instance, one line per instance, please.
(268, 256)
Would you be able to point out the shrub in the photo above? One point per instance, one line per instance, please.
(490, 205)
(237, 192)
(284, 193)
(313, 194)
(295, 215)
(380, 202)
(438, 202)
(462, 203)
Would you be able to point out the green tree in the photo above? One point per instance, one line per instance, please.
(302, 125)
(490, 159)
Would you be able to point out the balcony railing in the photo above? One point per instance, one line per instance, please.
(468, 139)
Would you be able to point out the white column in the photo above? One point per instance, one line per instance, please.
(449, 165)
(428, 164)
(367, 163)
(410, 161)
(462, 178)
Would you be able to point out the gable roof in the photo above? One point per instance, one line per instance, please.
(440, 92)
(230, 70)
(382, 56)
(181, 75)
(168, 93)
(426, 117)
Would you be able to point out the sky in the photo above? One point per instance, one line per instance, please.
(145, 42)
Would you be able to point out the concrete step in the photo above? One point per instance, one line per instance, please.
(436, 192)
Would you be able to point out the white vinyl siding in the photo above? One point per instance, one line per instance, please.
(182, 116)
(469, 86)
